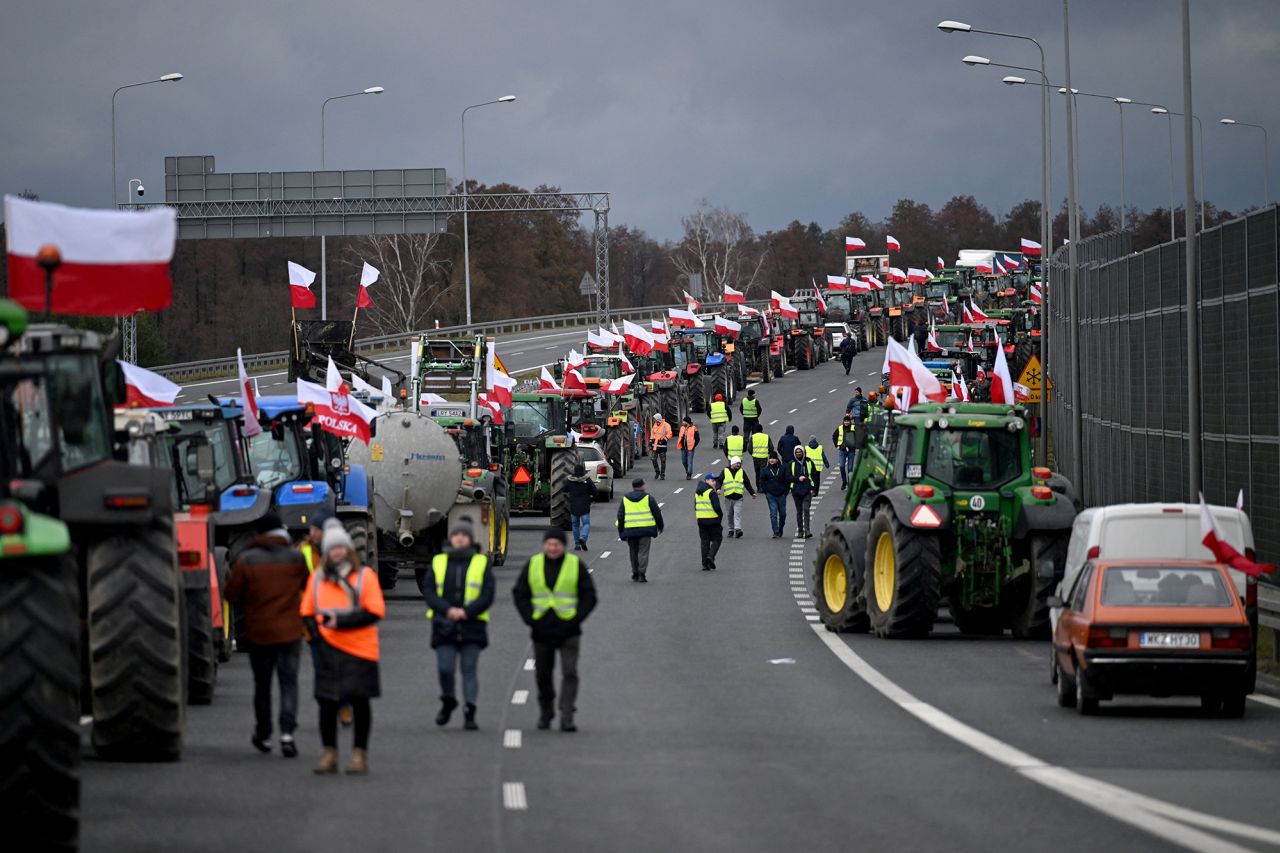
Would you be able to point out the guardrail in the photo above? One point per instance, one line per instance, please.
(217, 367)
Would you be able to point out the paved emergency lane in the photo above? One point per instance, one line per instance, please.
(712, 717)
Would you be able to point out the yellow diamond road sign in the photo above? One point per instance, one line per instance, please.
(497, 362)
(1030, 377)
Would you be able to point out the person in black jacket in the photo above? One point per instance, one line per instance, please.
(639, 522)
(551, 631)
(582, 491)
(710, 518)
(787, 443)
(802, 474)
(459, 613)
(774, 484)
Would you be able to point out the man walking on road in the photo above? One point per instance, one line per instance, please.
(857, 406)
(639, 523)
(707, 511)
(659, 438)
(818, 456)
(459, 593)
(687, 441)
(734, 443)
(788, 443)
(773, 482)
(554, 595)
(719, 414)
(266, 585)
(844, 440)
(846, 353)
(803, 480)
(751, 411)
(734, 484)
(761, 447)
(582, 492)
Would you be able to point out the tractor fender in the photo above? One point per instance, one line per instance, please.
(355, 486)
(714, 359)
(1034, 516)
(903, 506)
(662, 378)
(692, 369)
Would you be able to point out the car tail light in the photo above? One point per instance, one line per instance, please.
(1093, 553)
(1240, 639)
(1108, 638)
(1041, 473)
(602, 469)
(127, 501)
(10, 520)
(1042, 493)
(521, 476)
(922, 491)
(493, 467)
(189, 559)
(924, 516)
(302, 488)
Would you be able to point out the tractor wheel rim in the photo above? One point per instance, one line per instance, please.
(503, 537)
(885, 572)
(834, 583)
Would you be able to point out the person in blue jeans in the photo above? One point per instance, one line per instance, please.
(773, 482)
(582, 491)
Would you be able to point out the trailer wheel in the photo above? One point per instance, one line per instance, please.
(1030, 619)
(561, 467)
(839, 573)
(135, 644)
(40, 700)
(202, 658)
(905, 565)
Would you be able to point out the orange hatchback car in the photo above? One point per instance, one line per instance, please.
(1153, 628)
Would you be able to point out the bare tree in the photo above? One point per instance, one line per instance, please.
(720, 246)
(414, 277)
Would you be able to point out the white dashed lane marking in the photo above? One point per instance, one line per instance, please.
(678, 491)
(512, 739)
(605, 554)
(528, 665)
(772, 422)
(520, 697)
(793, 411)
(814, 400)
(513, 798)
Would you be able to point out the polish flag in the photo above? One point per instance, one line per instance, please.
(618, 386)
(982, 374)
(684, 319)
(1002, 390)
(959, 389)
(300, 278)
(861, 285)
(837, 282)
(783, 305)
(979, 316)
(984, 267)
(547, 382)
(502, 388)
(600, 339)
(1216, 541)
(1000, 270)
(1037, 295)
(691, 303)
(337, 411)
(970, 346)
(931, 343)
(897, 276)
(575, 359)
(916, 275)
(113, 262)
(613, 331)
(892, 244)
(731, 295)
(626, 362)
(1030, 247)
(968, 318)
(661, 337)
(637, 337)
(573, 380)
(144, 389)
(429, 399)
(1011, 262)
(725, 326)
(875, 283)
(748, 311)
(494, 407)
(908, 371)
(822, 303)
(853, 244)
(941, 263)
(248, 400)
(368, 276)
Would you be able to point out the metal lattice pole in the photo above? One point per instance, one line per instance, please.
(602, 265)
(129, 330)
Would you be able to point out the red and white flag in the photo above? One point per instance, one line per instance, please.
(576, 359)
(1002, 390)
(783, 305)
(967, 317)
(427, 398)
(1216, 541)
(969, 348)
(494, 407)
(661, 337)
(626, 362)
(1011, 262)
(1037, 295)
(931, 344)
(573, 380)
(984, 267)
(637, 337)
(691, 303)
(144, 389)
(959, 389)
(248, 400)
(748, 311)
(619, 385)
(502, 389)
(854, 244)
(861, 285)
(1000, 270)
(979, 316)
(892, 244)
(113, 262)
(822, 303)
(332, 378)
(875, 283)
(837, 282)
(1030, 247)
(897, 276)
(941, 263)
(368, 275)
(684, 319)
(547, 382)
(337, 411)
(300, 278)
(908, 371)
(915, 275)
(982, 374)
(731, 295)
(725, 326)
(599, 339)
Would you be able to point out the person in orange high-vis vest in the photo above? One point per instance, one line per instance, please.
(687, 441)
(341, 606)
(659, 438)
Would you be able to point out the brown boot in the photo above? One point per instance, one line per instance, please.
(359, 762)
(328, 762)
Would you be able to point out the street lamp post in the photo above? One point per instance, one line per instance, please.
(165, 78)
(1266, 157)
(466, 240)
(1161, 111)
(324, 278)
(1203, 180)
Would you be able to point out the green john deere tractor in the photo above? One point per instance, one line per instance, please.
(944, 505)
(540, 456)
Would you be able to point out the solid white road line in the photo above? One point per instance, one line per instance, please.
(520, 697)
(512, 738)
(605, 554)
(528, 665)
(513, 797)
(1164, 820)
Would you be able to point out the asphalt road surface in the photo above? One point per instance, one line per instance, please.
(716, 714)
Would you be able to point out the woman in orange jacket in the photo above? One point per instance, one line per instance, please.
(341, 606)
(687, 440)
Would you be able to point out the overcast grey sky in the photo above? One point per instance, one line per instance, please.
(804, 109)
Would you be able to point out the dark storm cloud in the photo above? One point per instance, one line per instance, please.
(783, 110)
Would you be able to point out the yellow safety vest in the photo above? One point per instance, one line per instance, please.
(760, 445)
(840, 435)
(702, 505)
(311, 554)
(733, 487)
(563, 600)
(637, 514)
(719, 412)
(750, 407)
(475, 579)
(815, 456)
(734, 444)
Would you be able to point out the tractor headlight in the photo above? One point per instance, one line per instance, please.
(1016, 424)
(928, 424)
(943, 422)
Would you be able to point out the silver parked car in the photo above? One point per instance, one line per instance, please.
(598, 468)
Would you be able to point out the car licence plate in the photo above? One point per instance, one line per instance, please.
(1168, 640)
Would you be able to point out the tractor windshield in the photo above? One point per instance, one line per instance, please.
(530, 418)
(61, 410)
(973, 458)
(600, 369)
(274, 461)
(937, 290)
(215, 434)
(681, 355)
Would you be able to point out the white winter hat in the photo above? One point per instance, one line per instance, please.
(335, 535)
(735, 460)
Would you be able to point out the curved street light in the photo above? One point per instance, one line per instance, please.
(1266, 156)
(466, 239)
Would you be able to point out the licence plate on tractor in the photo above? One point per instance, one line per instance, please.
(1168, 640)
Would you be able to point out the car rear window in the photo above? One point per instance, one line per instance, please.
(1164, 586)
(590, 454)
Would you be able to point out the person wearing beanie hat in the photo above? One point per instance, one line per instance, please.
(459, 592)
(659, 438)
(773, 482)
(818, 456)
(751, 411)
(554, 595)
(709, 516)
(341, 607)
(310, 546)
(687, 441)
(582, 492)
(639, 522)
(266, 578)
(734, 485)
(802, 474)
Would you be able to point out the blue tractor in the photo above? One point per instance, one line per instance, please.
(711, 370)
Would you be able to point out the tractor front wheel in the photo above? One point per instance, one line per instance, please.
(906, 574)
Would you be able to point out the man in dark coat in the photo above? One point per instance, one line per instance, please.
(774, 484)
(582, 491)
(788, 443)
(639, 523)
(847, 352)
(266, 586)
(802, 474)
(554, 608)
(710, 519)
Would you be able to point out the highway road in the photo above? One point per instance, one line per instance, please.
(716, 714)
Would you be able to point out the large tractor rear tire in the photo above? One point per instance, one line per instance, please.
(839, 576)
(698, 391)
(136, 667)
(561, 467)
(40, 702)
(202, 656)
(720, 385)
(615, 451)
(358, 530)
(906, 575)
(766, 366)
(804, 354)
(670, 406)
(1048, 556)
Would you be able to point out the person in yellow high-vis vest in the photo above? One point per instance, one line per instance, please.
(459, 591)
(720, 415)
(751, 410)
(818, 456)
(734, 485)
(761, 445)
(639, 522)
(735, 443)
(554, 595)
(709, 517)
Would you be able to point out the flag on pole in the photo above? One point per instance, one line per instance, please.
(332, 378)
(1011, 262)
(502, 388)
(661, 337)
(731, 295)
(494, 407)
(854, 244)
(575, 359)
(248, 400)
(599, 339)
(145, 389)
(547, 382)
(837, 282)
(941, 263)
(860, 285)
(337, 411)
(300, 278)
(1037, 295)
(875, 283)
(387, 393)
(1002, 390)
(915, 275)
(619, 385)
(908, 371)
(426, 398)
(931, 344)
(359, 386)
(967, 316)
(783, 305)
(984, 267)
(747, 311)
(684, 319)
(113, 262)
(970, 346)
(725, 326)
(1000, 270)
(1030, 247)
(637, 337)
(368, 275)
(1216, 541)
(626, 362)
(892, 244)
(691, 303)
(822, 303)
(979, 316)
(573, 380)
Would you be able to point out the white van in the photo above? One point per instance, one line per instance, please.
(1157, 531)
